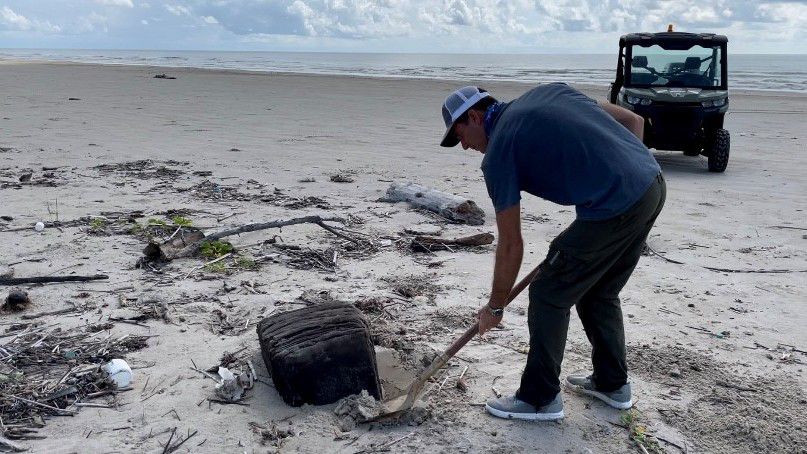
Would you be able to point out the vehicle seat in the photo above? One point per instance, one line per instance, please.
(639, 61)
(692, 65)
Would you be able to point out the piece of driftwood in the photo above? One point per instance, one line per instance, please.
(9, 446)
(66, 310)
(46, 279)
(449, 206)
(169, 249)
(431, 243)
(166, 251)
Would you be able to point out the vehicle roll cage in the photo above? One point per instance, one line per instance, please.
(668, 41)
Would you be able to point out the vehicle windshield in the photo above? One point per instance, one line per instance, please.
(696, 67)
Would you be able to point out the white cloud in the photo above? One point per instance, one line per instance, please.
(178, 10)
(427, 25)
(91, 23)
(357, 19)
(126, 3)
(13, 21)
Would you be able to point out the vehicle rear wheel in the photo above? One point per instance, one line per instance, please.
(717, 149)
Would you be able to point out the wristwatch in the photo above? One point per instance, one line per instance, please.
(495, 311)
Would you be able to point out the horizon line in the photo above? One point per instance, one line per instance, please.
(349, 52)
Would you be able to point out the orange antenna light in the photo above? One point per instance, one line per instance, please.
(670, 28)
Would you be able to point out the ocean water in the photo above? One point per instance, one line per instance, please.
(749, 72)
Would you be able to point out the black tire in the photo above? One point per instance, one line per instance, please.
(717, 150)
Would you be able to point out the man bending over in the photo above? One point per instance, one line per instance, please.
(556, 143)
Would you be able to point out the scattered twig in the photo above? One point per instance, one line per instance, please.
(66, 310)
(58, 410)
(781, 227)
(91, 405)
(175, 447)
(229, 216)
(653, 251)
(206, 374)
(385, 446)
(168, 443)
(208, 263)
(661, 309)
(227, 402)
(174, 411)
(397, 440)
(337, 233)
(774, 271)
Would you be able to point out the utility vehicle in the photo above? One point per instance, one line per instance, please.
(678, 83)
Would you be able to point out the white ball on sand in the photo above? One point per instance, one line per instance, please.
(40, 226)
(119, 372)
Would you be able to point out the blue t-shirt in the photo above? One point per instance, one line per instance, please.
(558, 144)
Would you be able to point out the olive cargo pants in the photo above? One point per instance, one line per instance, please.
(587, 266)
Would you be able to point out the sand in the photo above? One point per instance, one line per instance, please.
(717, 358)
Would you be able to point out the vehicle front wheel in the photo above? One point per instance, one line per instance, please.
(717, 150)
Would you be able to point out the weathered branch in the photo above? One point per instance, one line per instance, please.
(429, 243)
(11, 446)
(46, 279)
(193, 248)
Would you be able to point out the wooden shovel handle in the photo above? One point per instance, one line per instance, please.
(474, 330)
(417, 385)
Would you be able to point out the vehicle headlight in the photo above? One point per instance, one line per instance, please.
(636, 100)
(719, 102)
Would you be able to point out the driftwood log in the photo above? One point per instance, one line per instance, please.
(449, 206)
(172, 249)
(10, 446)
(45, 279)
(430, 243)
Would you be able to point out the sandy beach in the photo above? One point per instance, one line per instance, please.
(715, 315)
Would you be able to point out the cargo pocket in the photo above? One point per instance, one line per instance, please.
(564, 267)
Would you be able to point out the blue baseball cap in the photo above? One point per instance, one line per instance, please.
(455, 105)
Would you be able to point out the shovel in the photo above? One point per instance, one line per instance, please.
(398, 405)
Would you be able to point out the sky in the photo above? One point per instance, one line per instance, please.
(431, 26)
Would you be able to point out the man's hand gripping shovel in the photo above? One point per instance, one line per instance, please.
(397, 406)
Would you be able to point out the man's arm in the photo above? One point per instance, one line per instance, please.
(634, 123)
(509, 253)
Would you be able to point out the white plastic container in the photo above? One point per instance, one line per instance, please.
(119, 372)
